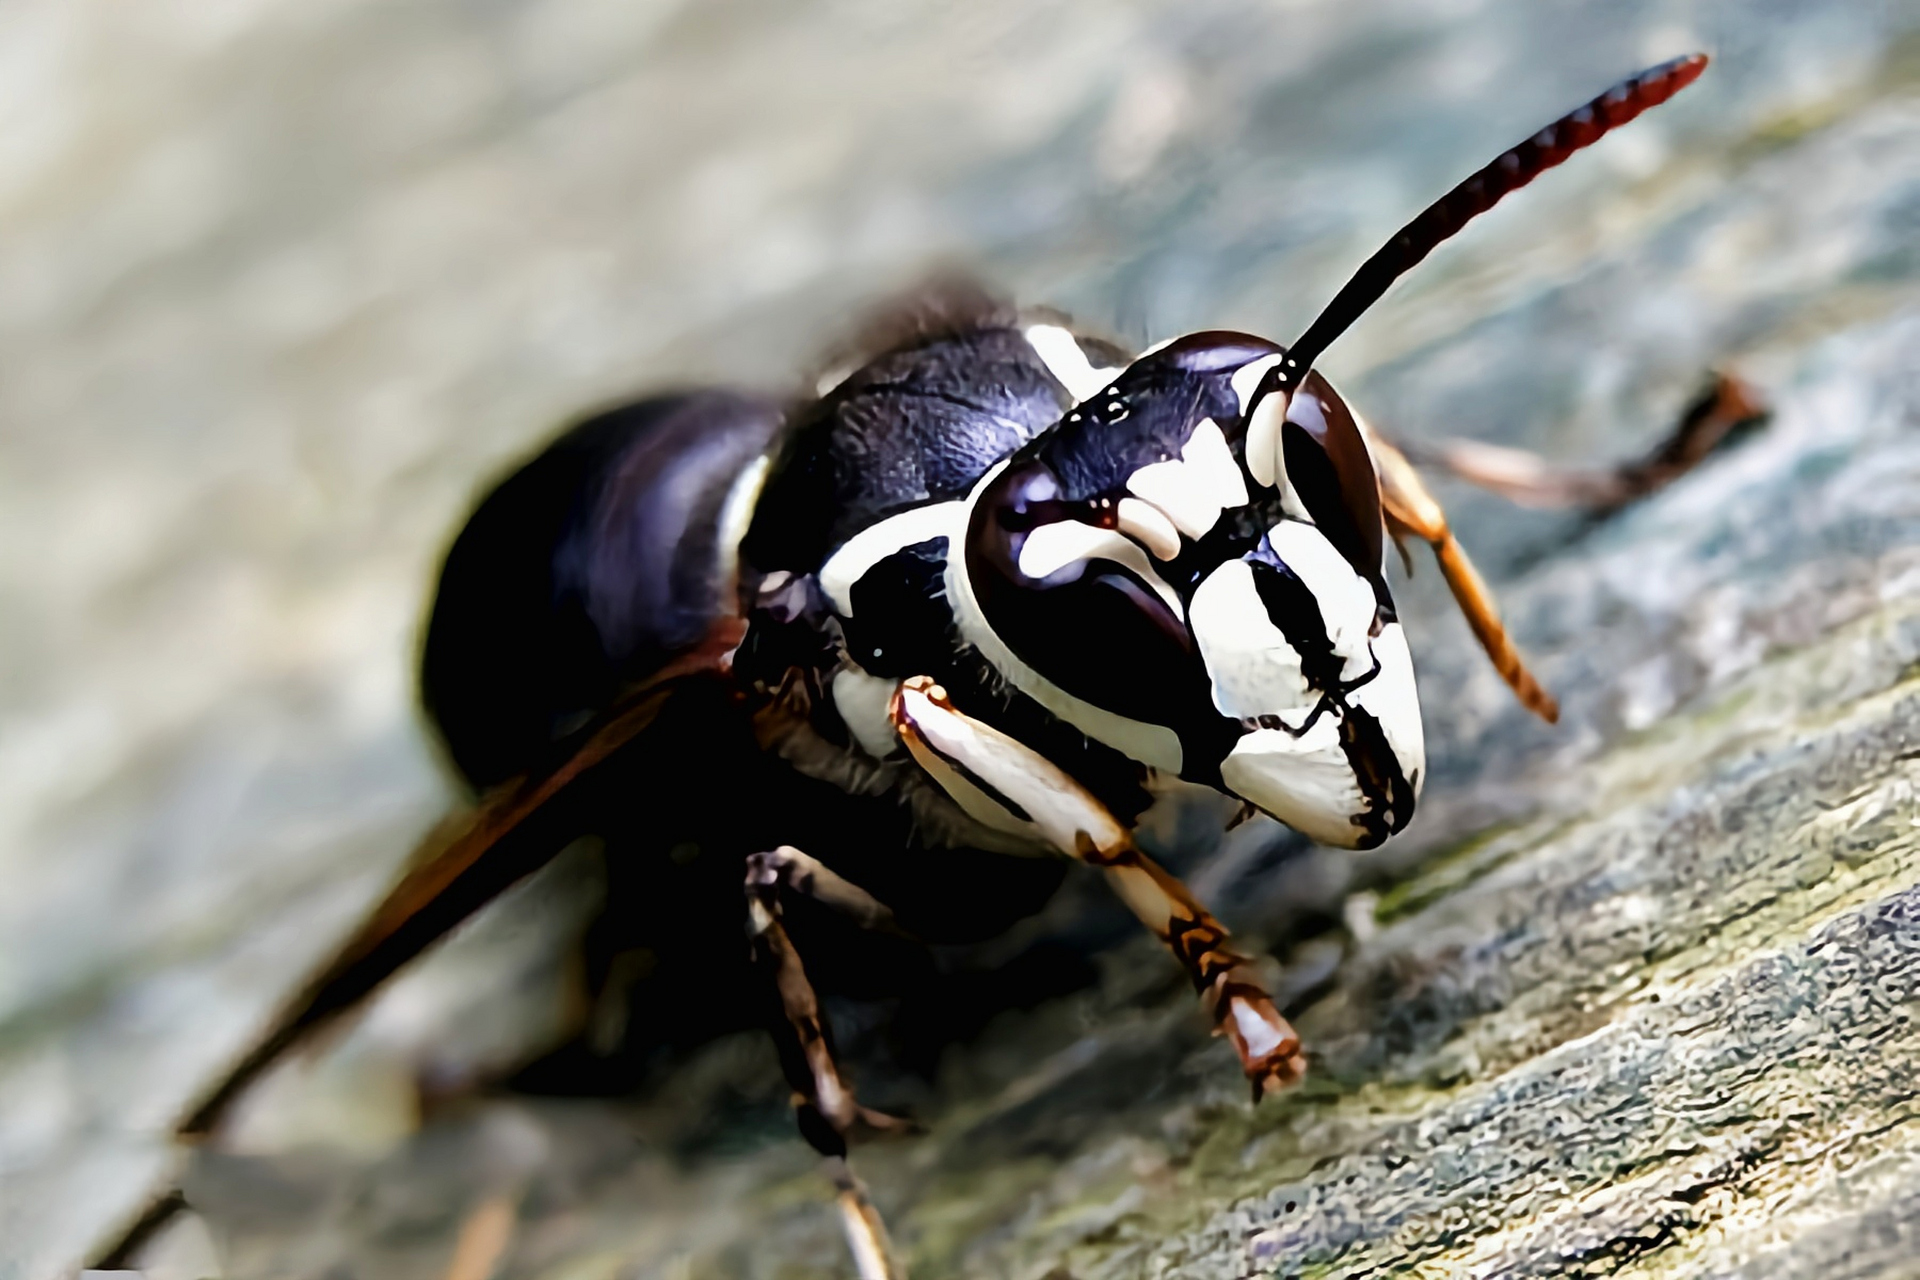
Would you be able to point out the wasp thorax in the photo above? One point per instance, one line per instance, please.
(1188, 567)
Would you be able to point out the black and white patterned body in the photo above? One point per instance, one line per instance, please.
(1130, 569)
(1138, 570)
(981, 596)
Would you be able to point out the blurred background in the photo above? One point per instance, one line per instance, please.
(284, 286)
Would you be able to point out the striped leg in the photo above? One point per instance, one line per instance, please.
(1724, 408)
(1411, 511)
(823, 1103)
(980, 766)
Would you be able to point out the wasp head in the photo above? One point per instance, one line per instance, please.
(1188, 567)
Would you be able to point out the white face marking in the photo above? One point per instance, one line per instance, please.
(1193, 489)
(1246, 379)
(1264, 461)
(1266, 451)
(1347, 604)
(875, 543)
(1061, 353)
(1150, 744)
(1213, 466)
(736, 513)
(862, 702)
(1254, 669)
(1148, 525)
(1305, 782)
(1392, 699)
(1052, 547)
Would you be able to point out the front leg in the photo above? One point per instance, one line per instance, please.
(978, 764)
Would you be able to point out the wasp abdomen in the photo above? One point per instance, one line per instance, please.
(587, 569)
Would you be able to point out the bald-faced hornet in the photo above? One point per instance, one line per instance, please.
(975, 601)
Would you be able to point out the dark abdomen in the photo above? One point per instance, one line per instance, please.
(589, 568)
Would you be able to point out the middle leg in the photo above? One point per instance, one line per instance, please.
(827, 1108)
(823, 1103)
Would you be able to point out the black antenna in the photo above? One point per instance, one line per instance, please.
(1509, 172)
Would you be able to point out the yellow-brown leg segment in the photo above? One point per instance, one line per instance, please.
(1269, 1050)
(962, 753)
(866, 1234)
(1411, 511)
(1722, 409)
(823, 1103)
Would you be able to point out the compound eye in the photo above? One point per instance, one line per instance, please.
(1321, 467)
(1078, 601)
(1329, 466)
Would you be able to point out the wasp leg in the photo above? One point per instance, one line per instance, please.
(792, 871)
(1723, 409)
(976, 762)
(824, 1104)
(1411, 511)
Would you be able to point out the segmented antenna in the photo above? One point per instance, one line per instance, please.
(1511, 171)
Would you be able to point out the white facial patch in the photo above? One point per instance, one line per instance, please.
(1392, 699)
(1246, 379)
(1254, 668)
(1264, 461)
(858, 554)
(1308, 781)
(1267, 455)
(862, 701)
(1346, 600)
(1193, 489)
(1061, 353)
(1305, 782)
(1148, 525)
(1052, 547)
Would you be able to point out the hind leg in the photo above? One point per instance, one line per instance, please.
(1724, 407)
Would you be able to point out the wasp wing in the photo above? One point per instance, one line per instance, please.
(464, 863)
(591, 589)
